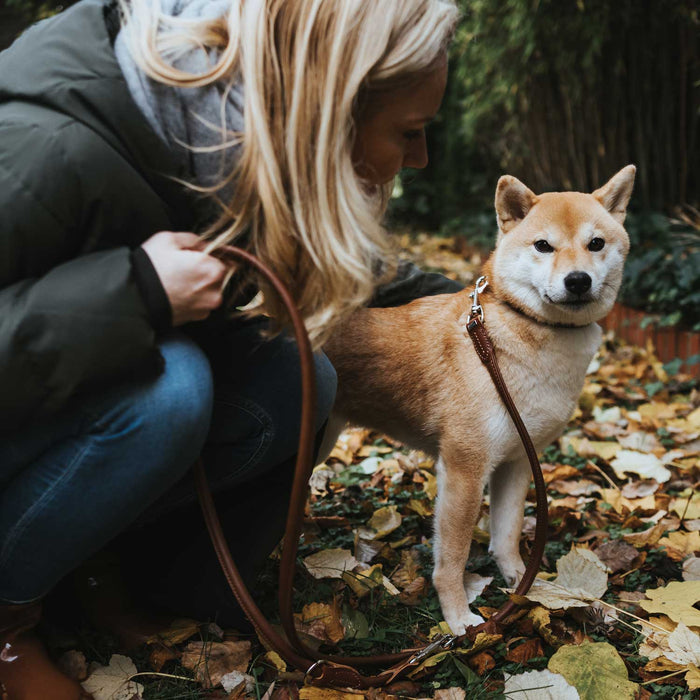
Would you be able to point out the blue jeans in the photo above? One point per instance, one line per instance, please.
(120, 459)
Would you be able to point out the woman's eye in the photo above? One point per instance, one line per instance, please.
(413, 134)
(596, 244)
(542, 246)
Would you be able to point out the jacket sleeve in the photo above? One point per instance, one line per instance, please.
(411, 283)
(82, 321)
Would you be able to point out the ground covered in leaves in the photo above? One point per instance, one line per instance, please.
(614, 613)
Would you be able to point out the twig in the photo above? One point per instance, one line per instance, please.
(163, 675)
(591, 463)
(636, 617)
(627, 624)
(661, 678)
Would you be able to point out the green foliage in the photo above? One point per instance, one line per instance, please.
(562, 95)
(662, 274)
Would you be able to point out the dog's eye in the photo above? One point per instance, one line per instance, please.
(542, 246)
(596, 244)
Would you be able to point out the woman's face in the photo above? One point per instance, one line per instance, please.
(391, 131)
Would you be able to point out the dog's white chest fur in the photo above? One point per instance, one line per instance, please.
(545, 385)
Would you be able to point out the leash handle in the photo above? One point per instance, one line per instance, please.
(338, 670)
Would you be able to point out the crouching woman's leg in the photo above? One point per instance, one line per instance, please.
(249, 458)
(69, 485)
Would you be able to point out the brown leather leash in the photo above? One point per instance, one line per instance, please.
(336, 670)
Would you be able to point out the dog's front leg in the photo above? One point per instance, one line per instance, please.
(508, 486)
(458, 505)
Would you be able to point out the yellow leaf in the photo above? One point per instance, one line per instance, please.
(421, 507)
(322, 621)
(686, 505)
(441, 628)
(692, 678)
(675, 600)
(430, 485)
(275, 660)
(385, 520)
(595, 670)
(310, 692)
(694, 418)
(684, 542)
(619, 502)
(362, 582)
(178, 632)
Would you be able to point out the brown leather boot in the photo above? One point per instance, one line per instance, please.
(26, 671)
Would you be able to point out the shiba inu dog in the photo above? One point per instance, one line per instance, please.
(412, 371)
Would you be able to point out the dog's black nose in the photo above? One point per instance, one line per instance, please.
(577, 282)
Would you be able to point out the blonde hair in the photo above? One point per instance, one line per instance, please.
(305, 65)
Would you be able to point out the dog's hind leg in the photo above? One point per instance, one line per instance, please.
(457, 511)
(508, 486)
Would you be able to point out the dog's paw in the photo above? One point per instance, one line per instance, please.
(459, 622)
(512, 569)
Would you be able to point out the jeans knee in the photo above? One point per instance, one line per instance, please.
(184, 397)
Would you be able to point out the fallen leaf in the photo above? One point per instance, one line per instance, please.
(580, 487)
(692, 678)
(210, 661)
(310, 692)
(330, 563)
(640, 441)
(684, 646)
(474, 585)
(681, 544)
(581, 578)
(450, 694)
(179, 631)
(409, 569)
(541, 619)
(321, 621)
(687, 505)
(232, 680)
(595, 669)
(617, 555)
(112, 682)
(647, 465)
(640, 489)
(415, 592)
(646, 537)
(385, 520)
(362, 582)
(691, 569)
(540, 685)
(522, 653)
(675, 600)
(615, 498)
(591, 448)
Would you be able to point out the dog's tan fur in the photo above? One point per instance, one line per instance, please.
(412, 372)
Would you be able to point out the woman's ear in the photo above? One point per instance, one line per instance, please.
(615, 194)
(513, 201)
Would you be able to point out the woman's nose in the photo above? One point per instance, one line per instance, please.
(417, 154)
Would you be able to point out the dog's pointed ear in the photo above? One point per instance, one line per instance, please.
(615, 194)
(513, 201)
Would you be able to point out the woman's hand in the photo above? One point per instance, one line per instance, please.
(192, 279)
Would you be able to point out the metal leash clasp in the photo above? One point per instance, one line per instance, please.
(477, 309)
(442, 641)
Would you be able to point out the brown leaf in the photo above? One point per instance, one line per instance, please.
(210, 661)
(646, 537)
(160, 655)
(409, 569)
(414, 593)
(617, 554)
(481, 662)
(322, 621)
(525, 651)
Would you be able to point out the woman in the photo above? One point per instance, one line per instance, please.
(271, 124)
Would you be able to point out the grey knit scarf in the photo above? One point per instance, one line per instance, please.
(188, 118)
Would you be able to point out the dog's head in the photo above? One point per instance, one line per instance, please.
(559, 255)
